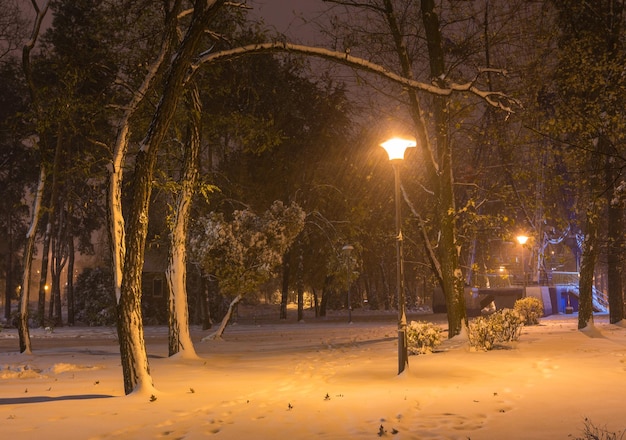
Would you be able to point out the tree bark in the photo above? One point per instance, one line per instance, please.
(587, 267)
(43, 279)
(615, 244)
(300, 284)
(70, 281)
(284, 296)
(176, 273)
(452, 276)
(23, 331)
(115, 218)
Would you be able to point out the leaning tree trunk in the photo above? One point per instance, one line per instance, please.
(229, 313)
(115, 218)
(176, 273)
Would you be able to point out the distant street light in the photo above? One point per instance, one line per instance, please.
(347, 249)
(522, 239)
(395, 150)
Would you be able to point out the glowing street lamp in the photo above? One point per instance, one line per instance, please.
(522, 239)
(395, 149)
(347, 249)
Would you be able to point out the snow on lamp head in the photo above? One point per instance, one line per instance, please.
(396, 147)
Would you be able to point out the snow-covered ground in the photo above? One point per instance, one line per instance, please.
(318, 379)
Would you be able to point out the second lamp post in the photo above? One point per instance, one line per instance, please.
(395, 149)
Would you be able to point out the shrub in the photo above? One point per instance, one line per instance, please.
(94, 297)
(481, 333)
(530, 308)
(422, 337)
(592, 432)
(502, 326)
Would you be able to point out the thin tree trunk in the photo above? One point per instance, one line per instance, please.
(176, 273)
(43, 279)
(8, 289)
(284, 296)
(325, 295)
(615, 246)
(300, 284)
(23, 332)
(205, 306)
(70, 281)
(316, 303)
(229, 313)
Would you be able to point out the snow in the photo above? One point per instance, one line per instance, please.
(326, 379)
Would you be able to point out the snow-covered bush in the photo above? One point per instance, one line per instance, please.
(530, 308)
(507, 324)
(422, 337)
(502, 326)
(481, 334)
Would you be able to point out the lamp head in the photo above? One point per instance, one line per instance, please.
(396, 147)
(522, 239)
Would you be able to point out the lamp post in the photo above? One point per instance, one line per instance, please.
(395, 149)
(347, 249)
(522, 239)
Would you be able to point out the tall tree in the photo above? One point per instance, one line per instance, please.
(23, 330)
(590, 90)
(130, 324)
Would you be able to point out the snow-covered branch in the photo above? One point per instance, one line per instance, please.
(496, 99)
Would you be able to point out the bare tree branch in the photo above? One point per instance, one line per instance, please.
(495, 99)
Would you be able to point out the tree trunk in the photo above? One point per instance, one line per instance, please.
(115, 218)
(43, 279)
(204, 298)
(587, 268)
(59, 260)
(23, 332)
(176, 273)
(284, 296)
(70, 281)
(325, 296)
(229, 313)
(8, 289)
(615, 245)
(300, 284)
(316, 304)
(452, 276)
